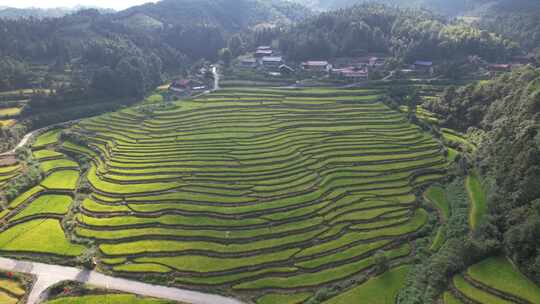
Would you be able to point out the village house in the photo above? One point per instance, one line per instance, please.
(495, 69)
(272, 62)
(376, 62)
(423, 66)
(352, 74)
(355, 76)
(263, 51)
(248, 63)
(317, 66)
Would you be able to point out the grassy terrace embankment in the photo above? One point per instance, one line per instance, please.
(494, 280)
(32, 221)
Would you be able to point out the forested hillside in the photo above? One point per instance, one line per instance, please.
(454, 7)
(166, 34)
(516, 19)
(90, 62)
(407, 34)
(507, 111)
(17, 13)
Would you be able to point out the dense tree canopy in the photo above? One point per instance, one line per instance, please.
(167, 34)
(507, 109)
(407, 34)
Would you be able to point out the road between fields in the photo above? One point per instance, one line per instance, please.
(48, 275)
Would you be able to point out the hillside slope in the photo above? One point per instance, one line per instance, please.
(507, 111)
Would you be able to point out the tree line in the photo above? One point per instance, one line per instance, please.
(504, 113)
(406, 34)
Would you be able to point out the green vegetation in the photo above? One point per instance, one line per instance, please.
(46, 204)
(498, 273)
(503, 162)
(435, 194)
(10, 111)
(273, 298)
(61, 180)
(476, 294)
(379, 290)
(449, 298)
(306, 188)
(56, 164)
(38, 236)
(309, 183)
(477, 198)
(47, 138)
(44, 153)
(25, 196)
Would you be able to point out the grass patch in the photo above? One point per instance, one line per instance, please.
(320, 277)
(47, 138)
(498, 273)
(10, 111)
(25, 196)
(274, 298)
(476, 294)
(477, 198)
(46, 204)
(449, 298)
(379, 290)
(437, 196)
(142, 268)
(39, 236)
(44, 153)
(61, 180)
(211, 264)
(47, 166)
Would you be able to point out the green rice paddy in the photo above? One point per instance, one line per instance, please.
(256, 190)
(379, 290)
(493, 280)
(477, 198)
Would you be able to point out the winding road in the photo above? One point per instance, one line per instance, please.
(48, 275)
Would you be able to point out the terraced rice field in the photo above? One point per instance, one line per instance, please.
(10, 111)
(7, 172)
(381, 290)
(494, 280)
(32, 221)
(436, 195)
(477, 197)
(256, 191)
(12, 289)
